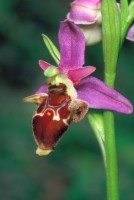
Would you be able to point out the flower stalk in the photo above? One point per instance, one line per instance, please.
(111, 44)
(127, 17)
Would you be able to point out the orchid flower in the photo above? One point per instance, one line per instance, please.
(69, 92)
(87, 15)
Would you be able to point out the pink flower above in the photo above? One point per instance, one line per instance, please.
(85, 12)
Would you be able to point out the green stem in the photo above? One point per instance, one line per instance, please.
(110, 147)
(111, 159)
(111, 43)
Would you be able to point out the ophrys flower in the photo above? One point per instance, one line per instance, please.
(69, 91)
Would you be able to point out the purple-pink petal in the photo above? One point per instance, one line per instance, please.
(82, 15)
(101, 96)
(90, 3)
(75, 75)
(43, 64)
(72, 46)
(84, 12)
(130, 34)
(42, 89)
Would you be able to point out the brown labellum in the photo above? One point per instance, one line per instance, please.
(55, 112)
(51, 119)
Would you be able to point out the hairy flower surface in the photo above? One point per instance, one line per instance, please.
(69, 91)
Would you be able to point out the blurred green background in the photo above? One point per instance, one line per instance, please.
(75, 169)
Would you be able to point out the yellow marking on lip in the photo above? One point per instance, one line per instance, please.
(65, 121)
(43, 152)
(48, 113)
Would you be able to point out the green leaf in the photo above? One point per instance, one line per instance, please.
(52, 49)
(96, 121)
(131, 13)
(124, 11)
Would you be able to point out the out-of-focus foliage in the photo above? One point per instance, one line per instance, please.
(75, 169)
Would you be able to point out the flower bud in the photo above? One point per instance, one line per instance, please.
(92, 33)
(87, 15)
(85, 12)
(130, 34)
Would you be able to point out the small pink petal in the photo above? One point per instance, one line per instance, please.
(130, 34)
(43, 64)
(75, 75)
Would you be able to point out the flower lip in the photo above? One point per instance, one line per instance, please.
(42, 152)
(53, 116)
